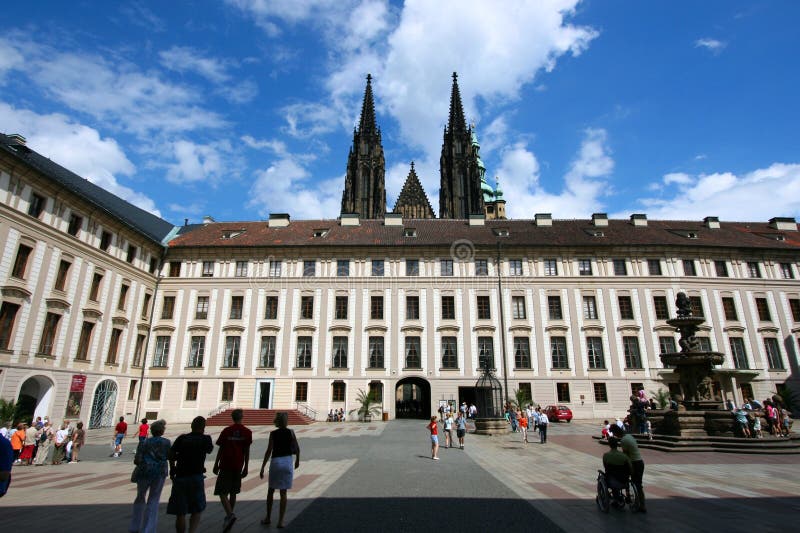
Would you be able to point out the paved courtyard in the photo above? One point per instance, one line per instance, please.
(378, 476)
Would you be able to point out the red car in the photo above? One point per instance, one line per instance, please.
(557, 413)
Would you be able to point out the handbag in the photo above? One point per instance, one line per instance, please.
(135, 474)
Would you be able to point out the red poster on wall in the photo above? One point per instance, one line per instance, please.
(75, 398)
(78, 383)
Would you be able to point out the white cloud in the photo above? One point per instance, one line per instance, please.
(186, 59)
(10, 58)
(713, 45)
(677, 177)
(284, 186)
(196, 162)
(730, 196)
(78, 148)
(309, 119)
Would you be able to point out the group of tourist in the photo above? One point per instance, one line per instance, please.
(529, 419)
(184, 462)
(748, 417)
(623, 465)
(448, 424)
(336, 415)
(42, 443)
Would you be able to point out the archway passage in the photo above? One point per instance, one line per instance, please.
(35, 397)
(105, 400)
(412, 399)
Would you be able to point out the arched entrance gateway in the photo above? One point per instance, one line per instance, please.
(105, 399)
(412, 398)
(35, 398)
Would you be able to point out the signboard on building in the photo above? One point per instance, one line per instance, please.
(75, 398)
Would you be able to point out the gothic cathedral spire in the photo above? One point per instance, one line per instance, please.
(460, 186)
(364, 187)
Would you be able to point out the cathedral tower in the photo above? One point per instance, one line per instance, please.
(364, 187)
(412, 201)
(460, 190)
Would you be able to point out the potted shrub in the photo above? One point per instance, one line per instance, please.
(368, 406)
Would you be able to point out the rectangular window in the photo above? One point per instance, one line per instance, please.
(794, 306)
(341, 308)
(667, 345)
(515, 267)
(589, 308)
(625, 307)
(105, 240)
(274, 269)
(660, 305)
(786, 271)
(155, 391)
(303, 352)
(191, 391)
(161, 356)
(620, 268)
(376, 390)
(412, 307)
(633, 358)
(208, 269)
(697, 306)
(343, 267)
(550, 267)
(485, 352)
(309, 269)
(729, 307)
(413, 348)
(600, 394)
(227, 391)
(481, 267)
(753, 270)
(448, 307)
(307, 307)
(763, 310)
(138, 351)
(558, 351)
(168, 307)
(132, 389)
(412, 267)
(689, 268)
(85, 341)
(271, 308)
(36, 206)
(585, 267)
(266, 358)
(376, 352)
(8, 315)
(201, 309)
(94, 291)
(554, 307)
(377, 267)
(131, 255)
(61, 277)
(446, 267)
(704, 343)
(21, 261)
(376, 307)
(49, 333)
(153, 264)
(174, 269)
(522, 353)
(449, 352)
(232, 345)
(738, 352)
(774, 359)
(562, 392)
(197, 351)
(484, 308)
(340, 352)
(338, 391)
(721, 269)
(301, 391)
(241, 269)
(654, 267)
(146, 305)
(594, 350)
(518, 307)
(123, 296)
(75, 223)
(113, 347)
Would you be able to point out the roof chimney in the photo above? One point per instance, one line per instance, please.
(599, 219)
(278, 220)
(17, 139)
(185, 221)
(349, 219)
(208, 219)
(783, 223)
(711, 222)
(639, 219)
(393, 219)
(543, 219)
(477, 220)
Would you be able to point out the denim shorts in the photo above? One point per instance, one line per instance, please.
(188, 495)
(118, 439)
(434, 439)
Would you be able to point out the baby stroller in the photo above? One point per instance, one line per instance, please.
(610, 493)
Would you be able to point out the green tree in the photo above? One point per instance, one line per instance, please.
(521, 399)
(8, 408)
(368, 405)
(661, 397)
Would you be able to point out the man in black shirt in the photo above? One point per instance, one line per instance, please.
(186, 470)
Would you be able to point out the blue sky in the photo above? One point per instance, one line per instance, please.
(239, 108)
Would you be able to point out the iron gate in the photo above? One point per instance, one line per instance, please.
(105, 399)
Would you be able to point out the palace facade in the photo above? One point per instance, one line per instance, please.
(107, 310)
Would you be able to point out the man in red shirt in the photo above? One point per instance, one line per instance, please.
(119, 433)
(144, 427)
(230, 466)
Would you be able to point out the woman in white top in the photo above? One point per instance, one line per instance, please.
(448, 430)
(60, 444)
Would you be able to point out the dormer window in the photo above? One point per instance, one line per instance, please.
(686, 233)
(231, 233)
(320, 233)
(501, 232)
(691, 235)
(592, 232)
(409, 232)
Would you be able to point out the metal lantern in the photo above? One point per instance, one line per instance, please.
(489, 395)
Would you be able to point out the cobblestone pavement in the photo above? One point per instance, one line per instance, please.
(362, 477)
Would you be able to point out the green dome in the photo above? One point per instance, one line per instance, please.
(498, 192)
(486, 189)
